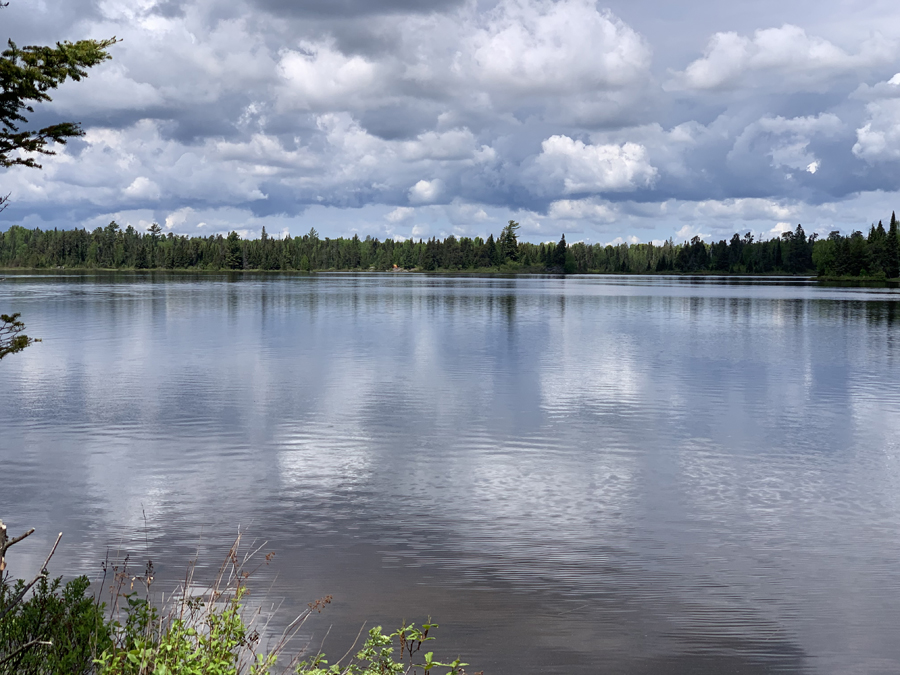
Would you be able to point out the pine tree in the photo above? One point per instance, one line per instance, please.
(12, 339)
(490, 251)
(892, 249)
(26, 74)
(559, 253)
(233, 253)
(509, 241)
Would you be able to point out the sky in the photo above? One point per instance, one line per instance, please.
(609, 121)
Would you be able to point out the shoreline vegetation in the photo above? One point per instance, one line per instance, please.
(857, 257)
(197, 628)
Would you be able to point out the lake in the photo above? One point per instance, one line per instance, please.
(569, 475)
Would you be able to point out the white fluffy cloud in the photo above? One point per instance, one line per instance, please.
(112, 88)
(462, 214)
(543, 47)
(786, 140)
(137, 163)
(688, 232)
(787, 54)
(233, 116)
(319, 77)
(743, 209)
(579, 167)
(426, 191)
(453, 144)
(582, 209)
(400, 214)
(143, 189)
(878, 140)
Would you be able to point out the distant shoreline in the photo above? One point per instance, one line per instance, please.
(478, 272)
(793, 253)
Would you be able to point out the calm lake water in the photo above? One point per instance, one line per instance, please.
(579, 475)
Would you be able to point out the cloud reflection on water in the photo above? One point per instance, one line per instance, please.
(681, 461)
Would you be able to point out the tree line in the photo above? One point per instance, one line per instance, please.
(876, 254)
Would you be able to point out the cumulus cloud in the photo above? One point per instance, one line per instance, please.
(688, 232)
(136, 162)
(425, 191)
(462, 214)
(111, 89)
(455, 116)
(779, 229)
(538, 46)
(264, 155)
(825, 123)
(452, 144)
(787, 53)
(318, 77)
(580, 167)
(143, 188)
(791, 149)
(743, 209)
(582, 209)
(878, 140)
(400, 214)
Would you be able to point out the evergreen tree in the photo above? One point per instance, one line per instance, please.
(877, 249)
(799, 257)
(233, 254)
(26, 75)
(735, 252)
(491, 254)
(719, 256)
(559, 253)
(509, 241)
(857, 256)
(12, 337)
(892, 250)
(111, 247)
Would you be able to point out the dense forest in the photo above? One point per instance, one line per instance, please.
(874, 255)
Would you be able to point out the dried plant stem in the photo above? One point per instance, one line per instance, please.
(6, 542)
(27, 645)
(40, 575)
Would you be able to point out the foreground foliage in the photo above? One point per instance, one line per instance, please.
(197, 631)
(193, 645)
(377, 655)
(59, 629)
(26, 75)
(12, 337)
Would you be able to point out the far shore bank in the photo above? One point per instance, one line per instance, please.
(481, 271)
(861, 281)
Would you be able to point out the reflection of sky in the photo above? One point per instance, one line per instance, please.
(696, 450)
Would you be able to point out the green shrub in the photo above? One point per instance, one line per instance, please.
(64, 630)
(377, 656)
(204, 641)
(66, 616)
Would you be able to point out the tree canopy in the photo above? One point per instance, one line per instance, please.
(793, 252)
(12, 339)
(26, 75)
